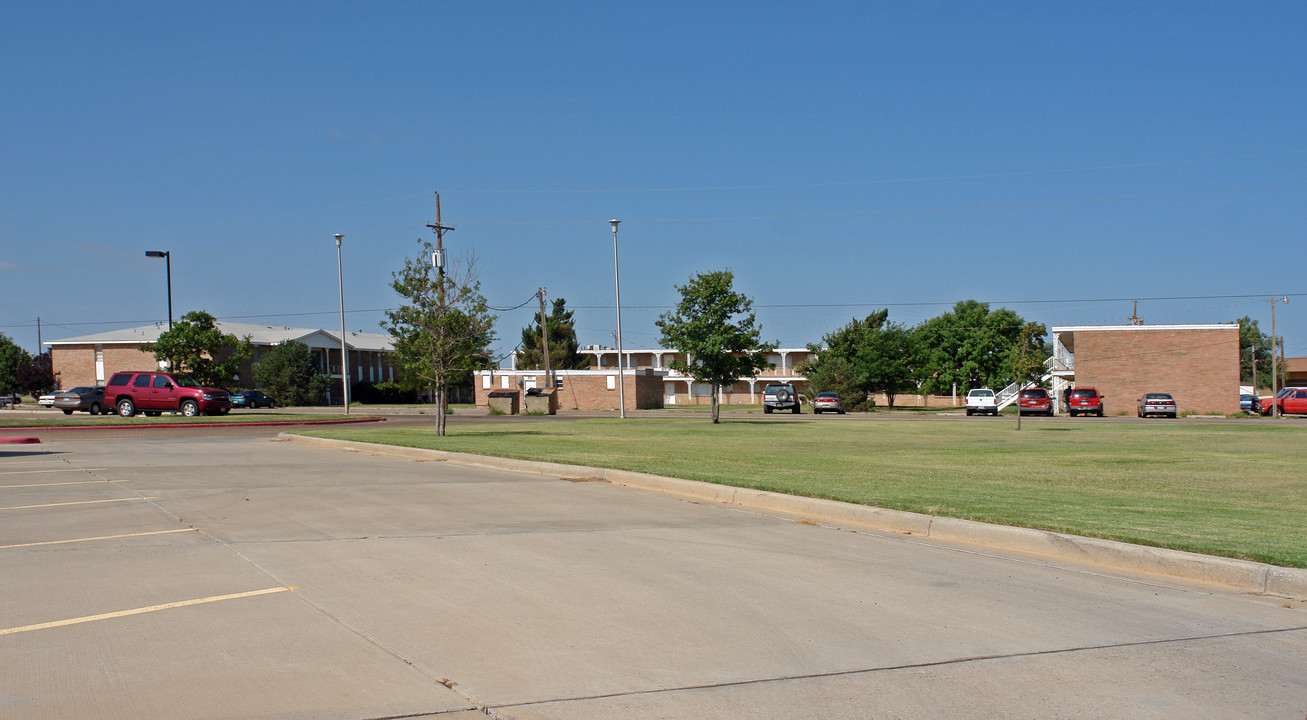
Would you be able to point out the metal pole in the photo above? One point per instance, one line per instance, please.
(621, 361)
(167, 264)
(344, 353)
(1275, 369)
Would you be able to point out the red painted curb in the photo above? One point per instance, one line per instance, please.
(18, 440)
(190, 425)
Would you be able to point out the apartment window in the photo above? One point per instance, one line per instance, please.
(485, 381)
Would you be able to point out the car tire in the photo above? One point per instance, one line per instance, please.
(795, 410)
(68, 412)
(95, 409)
(815, 411)
(126, 408)
(766, 409)
(968, 413)
(190, 408)
(842, 412)
(1100, 413)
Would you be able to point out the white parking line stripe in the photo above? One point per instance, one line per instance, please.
(33, 472)
(139, 611)
(83, 502)
(71, 482)
(92, 539)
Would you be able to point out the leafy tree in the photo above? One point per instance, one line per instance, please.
(12, 358)
(36, 375)
(971, 346)
(563, 346)
(196, 347)
(715, 328)
(864, 357)
(1026, 357)
(444, 331)
(288, 373)
(1255, 354)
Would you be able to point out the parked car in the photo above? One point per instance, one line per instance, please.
(1085, 401)
(250, 399)
(84, 399)
(1290, 400)
(1035, 401)
(1156, 403)
(156, 392)
(46, 400)
(982, 400)
(780, 396)
(827, 402)
(1249, 403)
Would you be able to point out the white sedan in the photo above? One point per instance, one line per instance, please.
(46, 400)
(982, 400)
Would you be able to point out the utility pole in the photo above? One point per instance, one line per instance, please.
(544, 339)
(38, 336)
(438, 259)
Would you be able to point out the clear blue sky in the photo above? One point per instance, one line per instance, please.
(1056, 158)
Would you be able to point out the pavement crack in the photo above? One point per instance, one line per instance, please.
(912, 666)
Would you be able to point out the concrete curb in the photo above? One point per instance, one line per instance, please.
(1241, 575)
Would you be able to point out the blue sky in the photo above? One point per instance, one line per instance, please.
(1060, 159)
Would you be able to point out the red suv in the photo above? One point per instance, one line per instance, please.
(155, 392)
(1085, 401)
(1034, 401)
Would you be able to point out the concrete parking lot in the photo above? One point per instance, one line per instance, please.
(232, 576)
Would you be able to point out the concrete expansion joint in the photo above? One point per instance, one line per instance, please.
(1240, 575)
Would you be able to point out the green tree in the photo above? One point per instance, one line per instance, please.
(196, 347)
(288, 374)
(1027, 355)
(1255, 354)
(563, 347)
(12, 358)
(715, 328)
(864, 357)
(37, 375)
(970, 346)
(444, 331)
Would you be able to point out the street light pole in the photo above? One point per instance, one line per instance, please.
(344, 353)
(167, 259)
(1275, 370)
(621, 362)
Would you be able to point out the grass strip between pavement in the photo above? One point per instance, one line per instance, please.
(1233, 490)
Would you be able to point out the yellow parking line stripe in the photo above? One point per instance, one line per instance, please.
(72, 482)
(92, 539)
(83, 502)
(33, 472)
(139, 611)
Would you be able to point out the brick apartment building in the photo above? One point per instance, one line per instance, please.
(1198, 364)
(577, 389)
(92, 359)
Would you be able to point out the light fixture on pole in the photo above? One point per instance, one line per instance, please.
(1275, 369)
(344, 353)
(617, 286)
(167, 258)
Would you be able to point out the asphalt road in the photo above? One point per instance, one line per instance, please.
(229, 576)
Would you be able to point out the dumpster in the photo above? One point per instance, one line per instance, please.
(541, 400)
(504, 401)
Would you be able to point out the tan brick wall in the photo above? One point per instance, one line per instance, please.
(1199, 367)
(585, 390)
(74, 365)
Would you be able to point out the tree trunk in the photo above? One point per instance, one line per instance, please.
(440, 408)
(716, 411)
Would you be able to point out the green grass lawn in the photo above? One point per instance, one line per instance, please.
(1222, 489)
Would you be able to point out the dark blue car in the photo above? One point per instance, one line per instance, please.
(250, 399)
